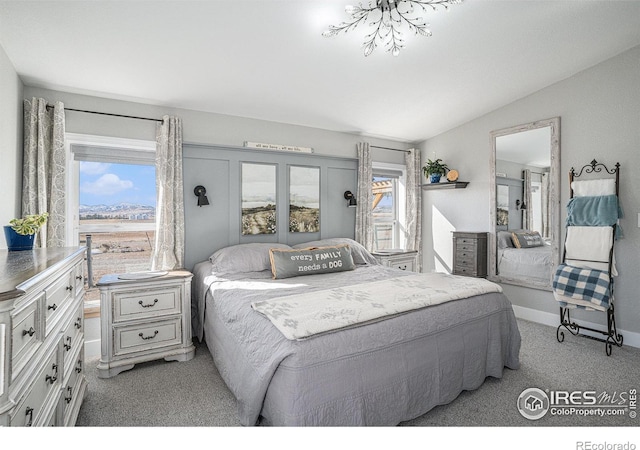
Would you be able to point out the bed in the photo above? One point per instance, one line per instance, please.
(533, 262)
(379, 371)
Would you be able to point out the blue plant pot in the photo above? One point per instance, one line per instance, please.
(17, 242)
(434, 178)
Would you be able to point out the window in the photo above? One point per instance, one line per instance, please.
(112, 206)
(388, 206)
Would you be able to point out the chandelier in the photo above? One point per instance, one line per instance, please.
(387, 19)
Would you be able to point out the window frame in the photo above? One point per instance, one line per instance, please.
(400, 198)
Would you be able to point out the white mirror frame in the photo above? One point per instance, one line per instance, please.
(554, 202)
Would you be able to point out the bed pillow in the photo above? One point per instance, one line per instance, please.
(359, 254)
(252, 257)
(310, 261)
(527, 239)
(504, 239)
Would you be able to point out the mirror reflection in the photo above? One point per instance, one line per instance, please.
(524, 162)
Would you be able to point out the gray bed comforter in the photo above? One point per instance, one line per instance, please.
(379, 373)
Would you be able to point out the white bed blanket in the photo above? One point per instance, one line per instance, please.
(301, 316)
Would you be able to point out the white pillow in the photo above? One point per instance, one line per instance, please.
(252, 257)
(358, 252)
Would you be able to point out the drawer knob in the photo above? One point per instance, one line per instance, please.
(148, 337)
(148, 305)
(30, 332)
(54, 307)
(52, 378)
(69, 288)
(70, 397)
(67, 346)
(29, 412)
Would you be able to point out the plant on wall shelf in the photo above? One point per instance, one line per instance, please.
(434, 170)
(29, 224)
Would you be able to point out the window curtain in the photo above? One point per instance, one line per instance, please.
(526, 200)
(44, 165)
(546, 231)
(168, 253)
(413, 221)
(364, 219)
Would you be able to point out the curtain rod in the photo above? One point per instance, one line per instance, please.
(107, 114)
(387, 148)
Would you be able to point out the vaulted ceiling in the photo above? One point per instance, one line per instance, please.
(268, 60)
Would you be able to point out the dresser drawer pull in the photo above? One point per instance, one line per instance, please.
(78, 323)
(79, 366)
(52, 378)
(67, 347)
(402, 267)
(30, 332)
(70, 397)
(54, 307)
(155, 300)
(148, 337)
(69, 288)
(78, 277)
(29, 412)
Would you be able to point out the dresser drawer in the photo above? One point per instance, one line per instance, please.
(78, 277)
(25, 335)
(73, 335)
(57, 295)
(147, 336)
(46, 384)
(146, 303)
(73, 387)
(465, 270)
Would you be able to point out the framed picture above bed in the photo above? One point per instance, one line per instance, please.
(304, 199)
(259, 193)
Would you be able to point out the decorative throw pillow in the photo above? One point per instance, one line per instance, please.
(527, 239)
(504, 239)
(310, 261)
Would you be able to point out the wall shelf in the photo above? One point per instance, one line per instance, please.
(446, 185)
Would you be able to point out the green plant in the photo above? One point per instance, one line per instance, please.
(435, 167)
(29, 224)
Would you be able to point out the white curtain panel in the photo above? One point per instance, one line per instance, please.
(413, 231)
(44, 166)
(168, 253)
(364, 218)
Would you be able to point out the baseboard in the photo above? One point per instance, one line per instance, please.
(553, 320)
(91, 349)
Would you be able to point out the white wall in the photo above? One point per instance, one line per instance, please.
(10, 142)
(599, 110)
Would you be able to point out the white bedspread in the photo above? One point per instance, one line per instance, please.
(301, 316)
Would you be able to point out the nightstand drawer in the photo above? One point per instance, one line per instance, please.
(406, 264)
(147, 303)
(148, 336)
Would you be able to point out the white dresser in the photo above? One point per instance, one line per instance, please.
(398, 259)
(145, 319)
(42, 380)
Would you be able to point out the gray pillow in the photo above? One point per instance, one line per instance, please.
(504, 239)
(252, 257)
(527, 239)
(359, 254)
(310, 261)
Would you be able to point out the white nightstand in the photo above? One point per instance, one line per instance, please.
(399, 259)
(143, 320)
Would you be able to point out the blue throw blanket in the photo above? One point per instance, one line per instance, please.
(594, 212)
(586, 286)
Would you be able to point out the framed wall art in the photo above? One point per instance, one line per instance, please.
(304, 199)
(259, 193)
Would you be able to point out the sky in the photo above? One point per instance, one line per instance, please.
(110, 184)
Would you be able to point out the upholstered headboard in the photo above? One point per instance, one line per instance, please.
(219, 224)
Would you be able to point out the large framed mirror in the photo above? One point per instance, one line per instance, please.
(524, 244)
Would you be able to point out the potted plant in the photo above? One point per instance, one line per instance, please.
(434, 170)
(20, 233)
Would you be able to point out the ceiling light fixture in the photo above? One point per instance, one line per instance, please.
(387, 18)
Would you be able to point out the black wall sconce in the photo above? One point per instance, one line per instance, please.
(200, 192)
(351, 199)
